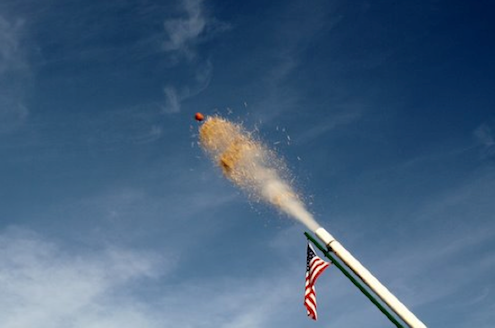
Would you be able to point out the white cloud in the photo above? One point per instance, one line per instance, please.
(44, 285)
(233, 302)
(10, 48)
(183, 35)
(174, 97)
(195, 26)
(183, 32)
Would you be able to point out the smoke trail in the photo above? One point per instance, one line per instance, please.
(252, 167)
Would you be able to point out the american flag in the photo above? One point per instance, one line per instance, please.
(314, 267)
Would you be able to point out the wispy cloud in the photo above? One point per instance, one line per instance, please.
(14, 74)
(11, 57)
(349, 115)
(183, 33)
(175, 96)
(42, 284)
(193, 27)
(153, 134)
(183, 36)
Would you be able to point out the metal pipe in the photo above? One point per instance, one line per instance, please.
(385, 295)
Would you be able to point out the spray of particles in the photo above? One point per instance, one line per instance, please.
(252, 166)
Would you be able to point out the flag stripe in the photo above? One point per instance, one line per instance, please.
(314, 268)
(319, 267)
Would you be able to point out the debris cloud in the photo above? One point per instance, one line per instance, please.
(252, 166)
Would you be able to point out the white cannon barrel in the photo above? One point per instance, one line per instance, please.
(373, 283)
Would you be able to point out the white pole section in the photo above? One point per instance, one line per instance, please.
(373, 283)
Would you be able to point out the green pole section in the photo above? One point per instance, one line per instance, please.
(354, 281)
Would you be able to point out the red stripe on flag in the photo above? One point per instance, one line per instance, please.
(314, 268)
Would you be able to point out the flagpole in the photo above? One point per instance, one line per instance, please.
(354, 281)
(360, 271)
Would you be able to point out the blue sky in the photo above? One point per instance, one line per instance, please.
(112, 216)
